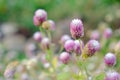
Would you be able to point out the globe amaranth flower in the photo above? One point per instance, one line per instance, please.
(52, 25)
(95, 35)
(39, 17)
(110, 59)
(37, 36)
(64, 57)
(107, 33)
(69, 45)
(36, 21)
(112, 76)
(78, 47)
(64, 38)
(45, 43)
(76, 28)
(91, 47)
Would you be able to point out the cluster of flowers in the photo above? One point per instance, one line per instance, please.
(73, 45)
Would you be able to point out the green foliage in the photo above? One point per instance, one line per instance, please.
(100, 76)
(117, 66)
(63, 76)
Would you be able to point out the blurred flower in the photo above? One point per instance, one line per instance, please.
(109, 17)
(10, 70)
(32, 63)
(69, 45)
(36, 21)
(90, 48)
(45, 43)
(107, 33)
(46, 25)
(40, 16)
(52, 24)
(112, 76)
(95, 35)
(30, 49)
(24, 76)
(64, 57)
(76, 28)
(110, 59)
(37, 36)
(78, 47)
(64, 38)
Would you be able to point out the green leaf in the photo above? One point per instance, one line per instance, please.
(100, 77)
(63, 76)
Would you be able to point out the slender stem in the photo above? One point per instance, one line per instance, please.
(49, 35)
(61, 48)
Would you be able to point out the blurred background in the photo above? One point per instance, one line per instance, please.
(16, 21)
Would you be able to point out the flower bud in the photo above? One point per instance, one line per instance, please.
(91, 47)
(107, 33)
(45, 43)
(46, 25)
(52, 24)
(112, 76)
(95, 35)
(64, 57)
(110, 59)
(76, 28)
(37, 36)
(64, 38)
(78, 47)
(41, 15)
(69, 45)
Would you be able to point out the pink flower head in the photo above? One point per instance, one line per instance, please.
(92, 47)
(37, 36)
(64, 57)
(45, 43)
(64, 38)
(95, 35)
(52, 24)
(76, 28)
(110, 59)
(78, 46)
(69, 45)
(36, 21)
(40, 15)
(112, 76)
(107, 33)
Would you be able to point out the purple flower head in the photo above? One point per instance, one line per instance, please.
(92, 46)
(112, 76)
(52, 24)
(110, 59)
(41, 15)
(76, 28)
(45, 43)
(64, 57)
(64, 38)
(69, 45)
(37, 36)
(36, 21)
(95, 35)
(78, 46)
(107, 33)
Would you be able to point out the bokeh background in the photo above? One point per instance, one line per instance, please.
(17, 28)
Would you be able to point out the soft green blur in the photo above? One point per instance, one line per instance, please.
(22, 11)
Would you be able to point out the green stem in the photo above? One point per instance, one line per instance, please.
(49, 35)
